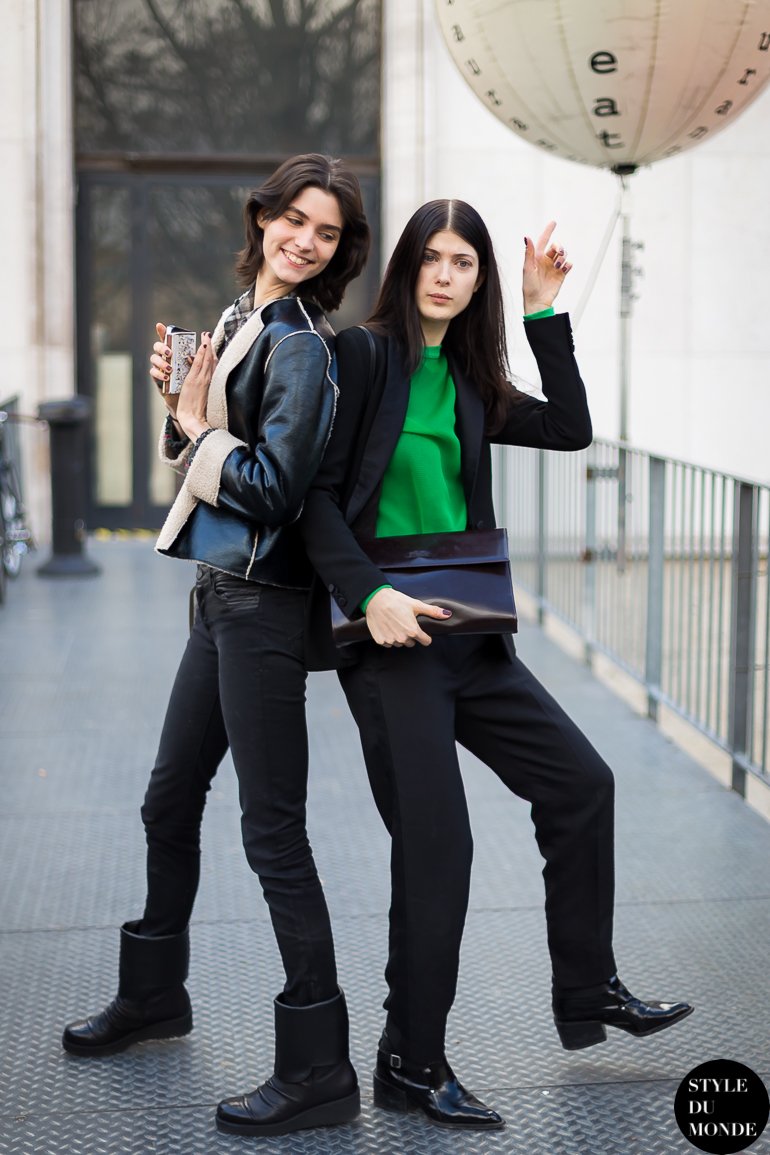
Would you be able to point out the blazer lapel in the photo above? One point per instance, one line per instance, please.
(469, 417)
(384, 432)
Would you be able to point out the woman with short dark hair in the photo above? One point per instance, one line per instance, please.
(410, 455)
(248, 431)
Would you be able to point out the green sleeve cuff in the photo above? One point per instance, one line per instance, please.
(366, 601)
(539, 316)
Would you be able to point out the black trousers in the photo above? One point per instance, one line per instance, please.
(411, 707)
(241, 683)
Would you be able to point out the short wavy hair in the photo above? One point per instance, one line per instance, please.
(276, 194)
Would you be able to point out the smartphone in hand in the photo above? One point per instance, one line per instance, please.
(182, 343)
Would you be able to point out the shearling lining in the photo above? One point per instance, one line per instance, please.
(201, 482)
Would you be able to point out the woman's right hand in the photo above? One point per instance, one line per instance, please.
(160, 368)
(392, 619)
(545, 267)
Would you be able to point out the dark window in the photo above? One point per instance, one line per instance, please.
(228, 77)
(182, 106)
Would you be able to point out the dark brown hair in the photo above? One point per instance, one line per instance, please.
(277, 193)
(476, 337)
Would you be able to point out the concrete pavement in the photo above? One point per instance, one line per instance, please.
(85, 669)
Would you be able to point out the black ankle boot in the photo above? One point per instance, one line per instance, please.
(400, 1085)
(313, 1084)
(151, 1003)
(582, 1016)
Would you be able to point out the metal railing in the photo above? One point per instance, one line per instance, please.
(662, 566)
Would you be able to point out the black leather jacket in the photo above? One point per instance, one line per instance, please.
(280, 402)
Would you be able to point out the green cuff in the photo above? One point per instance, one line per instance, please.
(366, 601)
(539, 316)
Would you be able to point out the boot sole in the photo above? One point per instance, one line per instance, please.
(324, 1115)
(577, 1036)
(171, 1029)
(389, 1098)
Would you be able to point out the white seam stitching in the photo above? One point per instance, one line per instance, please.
(299, 333)
(253, 554)
(306, 315)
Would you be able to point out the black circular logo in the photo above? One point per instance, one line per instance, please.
(722, 1107)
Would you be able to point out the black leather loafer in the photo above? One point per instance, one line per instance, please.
(402, 1086)
(582, 1019)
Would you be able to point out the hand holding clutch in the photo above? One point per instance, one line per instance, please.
(468, 573)
(392, 618)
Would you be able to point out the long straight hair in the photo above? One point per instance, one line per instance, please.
(312, 170)
(476, 337)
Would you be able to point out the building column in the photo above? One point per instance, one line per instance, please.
(55, 202)
(36, 226)
(408, 121)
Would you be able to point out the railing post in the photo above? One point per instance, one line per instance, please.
(743, 600)
(541, 537)
(653, 664)
(500, 473)
(620, 555)
(589, 562)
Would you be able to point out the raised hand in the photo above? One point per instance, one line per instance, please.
(545, 267)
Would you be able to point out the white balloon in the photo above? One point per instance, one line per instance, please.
(611, 83)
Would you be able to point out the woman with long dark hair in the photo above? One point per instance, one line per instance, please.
(248, 431)
(410, 454)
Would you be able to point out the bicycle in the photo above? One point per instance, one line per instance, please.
(15, 535)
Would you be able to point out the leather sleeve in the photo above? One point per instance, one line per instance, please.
(563, 421)
(331, 544)
(268, 484)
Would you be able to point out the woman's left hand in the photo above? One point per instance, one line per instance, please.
(194, 394)
(545, 267)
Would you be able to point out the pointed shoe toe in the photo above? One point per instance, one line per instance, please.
(581, 1020)
(434, 1090)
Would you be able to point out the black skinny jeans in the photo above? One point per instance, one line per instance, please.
(241, 683)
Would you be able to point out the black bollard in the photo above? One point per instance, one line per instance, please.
(67, 421)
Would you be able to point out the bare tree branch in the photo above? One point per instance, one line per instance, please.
(166, 29)
(241, 77)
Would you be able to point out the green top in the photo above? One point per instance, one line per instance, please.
(422, 489)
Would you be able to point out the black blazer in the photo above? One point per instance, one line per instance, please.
(341, 505)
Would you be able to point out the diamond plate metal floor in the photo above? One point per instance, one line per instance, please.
(86, 669)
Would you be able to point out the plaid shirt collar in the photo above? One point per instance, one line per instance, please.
(240, 311)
